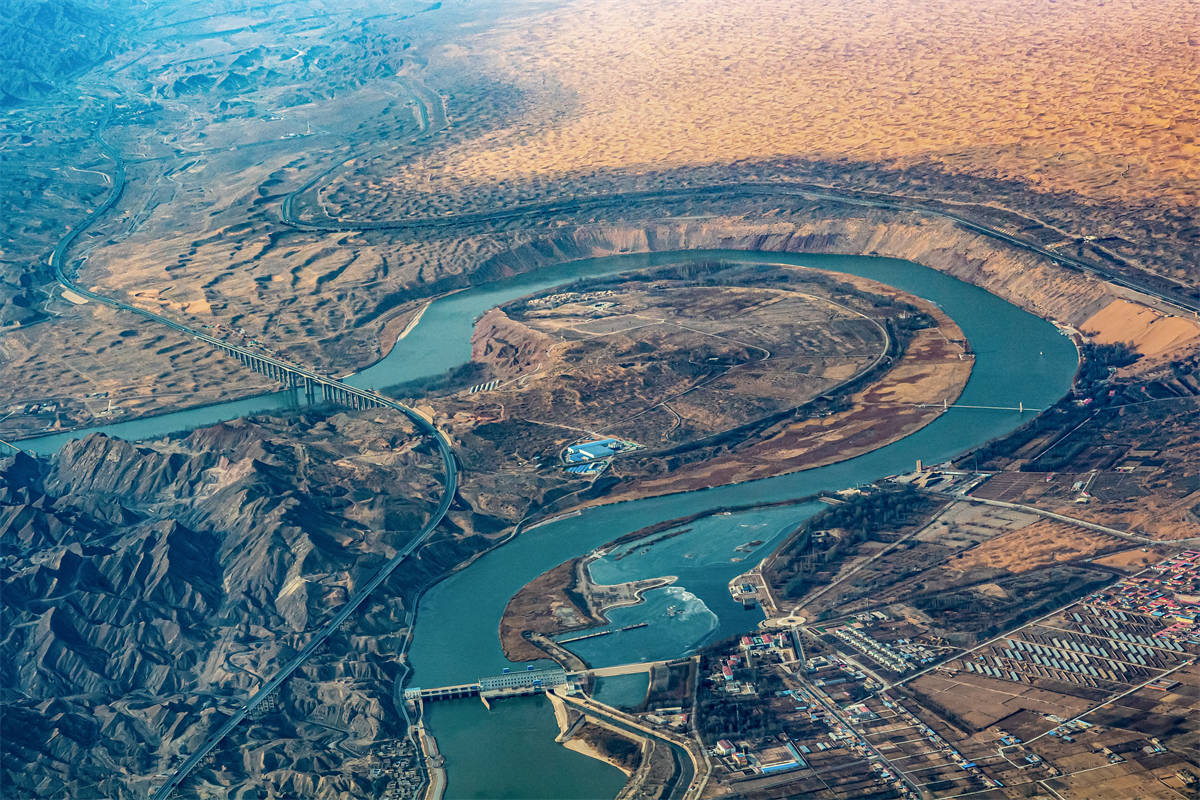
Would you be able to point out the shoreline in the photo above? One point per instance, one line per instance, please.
(862, 417)
(434, 764)
(617, 499)
(514, 625)
(567, 728)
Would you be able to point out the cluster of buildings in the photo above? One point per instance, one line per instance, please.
(746, 589)
(725, 678)
(767, 760)
(31, 409)
(937, 742)
(827, 674)
(898, 656)
(1068, 729)
(1170, 594)
(839, 736)
(562, 298)
(592, 457)
(396, 762)
(775, 646)
(781, 643)
(673, 717)
(1101, 652)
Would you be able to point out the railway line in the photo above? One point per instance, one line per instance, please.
(333, 389)
(431, 117)
(1176, 300)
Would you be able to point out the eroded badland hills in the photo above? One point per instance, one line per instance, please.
(300, 181)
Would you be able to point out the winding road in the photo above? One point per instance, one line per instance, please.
(728, 191)
(432, 118)
(425, 426)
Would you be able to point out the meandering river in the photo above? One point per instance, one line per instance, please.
(508, 752)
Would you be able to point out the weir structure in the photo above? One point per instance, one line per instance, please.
(507, 685)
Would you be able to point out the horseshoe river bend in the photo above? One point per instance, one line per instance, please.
(510, 750)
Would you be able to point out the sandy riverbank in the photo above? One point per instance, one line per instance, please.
(579, 742)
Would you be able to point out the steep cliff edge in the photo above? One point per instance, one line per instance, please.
(1025, 279)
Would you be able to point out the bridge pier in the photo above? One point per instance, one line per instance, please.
(291, 378)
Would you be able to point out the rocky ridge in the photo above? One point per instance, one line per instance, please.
(148, 586)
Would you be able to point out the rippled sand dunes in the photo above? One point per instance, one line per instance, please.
(1097, 99)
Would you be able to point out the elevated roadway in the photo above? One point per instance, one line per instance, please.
(338, 391)
(332, 389)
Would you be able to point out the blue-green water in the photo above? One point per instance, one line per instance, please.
(442, 340)
(698, 608)
(517, 732)
(622, 691)
(1019, 359)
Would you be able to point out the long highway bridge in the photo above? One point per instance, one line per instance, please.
(333, 390)
(289, 374)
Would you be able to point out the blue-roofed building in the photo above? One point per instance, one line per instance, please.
(591, 458)
(600, 448)
(592, 450)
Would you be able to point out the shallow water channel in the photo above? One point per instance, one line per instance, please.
(509, 751)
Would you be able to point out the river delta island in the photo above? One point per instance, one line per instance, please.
(588, 399)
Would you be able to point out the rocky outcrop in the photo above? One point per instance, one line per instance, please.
(509, 348)
(147, 587)
(47, 40)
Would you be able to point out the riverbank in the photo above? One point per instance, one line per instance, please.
(434, 764)
(1013, 375)
(593, 738)
(562, 600)
(931, 375)
(705, 431)
(458, 619)
(565, 599)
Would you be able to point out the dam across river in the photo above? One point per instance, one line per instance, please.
(1021, 362)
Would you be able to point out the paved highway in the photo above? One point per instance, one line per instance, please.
(429, 108)
(1083, 523)
(1178, 300)
(450, 467)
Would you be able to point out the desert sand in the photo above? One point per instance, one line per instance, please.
(1061, 95)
